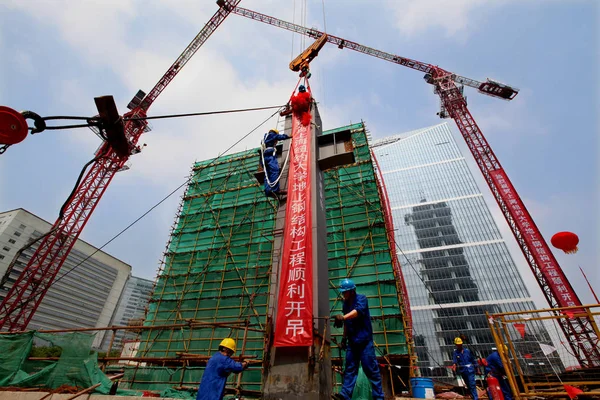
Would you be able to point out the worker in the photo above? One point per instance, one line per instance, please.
(495, 368)
(218, 368)
(357, 340)
(464, 361)
(271, 166)
(301, 105)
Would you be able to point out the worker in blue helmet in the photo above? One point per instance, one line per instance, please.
(301, 88)
(464, 362)
(357, 340)
(269, 161)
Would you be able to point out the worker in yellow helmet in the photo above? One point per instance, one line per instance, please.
(464, 362)
(218, 368)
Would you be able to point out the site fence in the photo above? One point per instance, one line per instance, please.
(539, 362)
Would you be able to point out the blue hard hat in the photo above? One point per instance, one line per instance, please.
(302, 88)
(347, 284)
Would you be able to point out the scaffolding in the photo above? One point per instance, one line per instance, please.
(218, 266)
(538, 360)
(215, 279)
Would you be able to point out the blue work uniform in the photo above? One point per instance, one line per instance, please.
(465, 365)
(495, 367)
(218, 368)
(271, 165)
(359, 334)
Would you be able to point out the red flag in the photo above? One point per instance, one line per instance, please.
(527, 355)
(521, 328)
(569, 314)
(572, 391)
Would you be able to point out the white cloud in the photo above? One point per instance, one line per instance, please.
(453, 17)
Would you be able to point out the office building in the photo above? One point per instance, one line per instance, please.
(130, 311)
(455, 262)
(86, 290)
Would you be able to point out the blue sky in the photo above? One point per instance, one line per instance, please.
(57, 55)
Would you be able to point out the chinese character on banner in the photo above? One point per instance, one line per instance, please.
(295, 290)
(294, 319)
(294, 327)
(294, 307)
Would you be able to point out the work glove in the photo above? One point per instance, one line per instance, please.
(343, 344)
(339, 321)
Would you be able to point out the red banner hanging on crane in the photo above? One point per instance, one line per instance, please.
(553, 274)
(294, 321)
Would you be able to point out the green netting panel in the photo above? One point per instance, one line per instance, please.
(218, 263)
(76, 367)
(358, 245)
(13, 352)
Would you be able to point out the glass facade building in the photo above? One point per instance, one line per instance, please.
(130, 311)
(454, 259)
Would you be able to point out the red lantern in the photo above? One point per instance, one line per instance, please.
(13, 127)
(566, 241)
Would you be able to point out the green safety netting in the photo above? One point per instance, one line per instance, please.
(217, 270)
(362, 390)
(77, 365)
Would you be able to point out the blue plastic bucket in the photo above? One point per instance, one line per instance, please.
(422, 388)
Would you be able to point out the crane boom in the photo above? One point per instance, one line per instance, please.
(27, 292)
(490, 87)
(554, 284)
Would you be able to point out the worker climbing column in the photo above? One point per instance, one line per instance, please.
(300, 363)
(300, 367)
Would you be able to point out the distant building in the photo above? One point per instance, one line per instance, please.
(82, 296)
(456, 264)
(130, 311)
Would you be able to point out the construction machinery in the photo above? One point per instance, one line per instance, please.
(29, 289)
(449, 86)
(27, 292)
(301, 63)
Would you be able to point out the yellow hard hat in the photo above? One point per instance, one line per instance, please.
(504, 348)
(458, 341)
(274, 130)
(228, 343)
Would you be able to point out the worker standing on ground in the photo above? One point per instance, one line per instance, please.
(495, 368)
(271, 166)
(218, 368)
(357, 341)
(464, 361)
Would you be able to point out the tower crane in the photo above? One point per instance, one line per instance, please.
(449, 87)
(29, 289)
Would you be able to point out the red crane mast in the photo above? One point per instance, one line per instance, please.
(29, 289)
(552, 280)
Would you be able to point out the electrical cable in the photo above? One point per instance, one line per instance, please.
(163, 199)
(94, 121)
(61, 215)
(202, 113)
(324, 23)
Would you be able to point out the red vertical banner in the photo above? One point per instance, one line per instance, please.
(294, 320)
(553, 274)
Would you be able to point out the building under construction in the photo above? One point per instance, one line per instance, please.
(218, 266)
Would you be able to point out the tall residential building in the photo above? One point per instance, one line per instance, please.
(82, 296)
(131, 310)
(454, 259)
